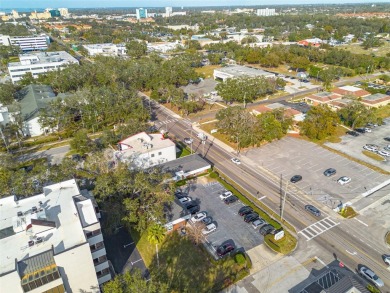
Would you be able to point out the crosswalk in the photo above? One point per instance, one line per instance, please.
(161, 123)
(318, 228)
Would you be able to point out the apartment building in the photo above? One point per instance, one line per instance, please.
(38, 63)
(266, 12)
(52, 242)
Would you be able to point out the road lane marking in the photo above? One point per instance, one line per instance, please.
(321, 261)
(351, 253)
(361, 222)
(132, 263)
(262, 197)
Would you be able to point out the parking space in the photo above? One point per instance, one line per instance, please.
(353, 146)
(291, 156)
(230, 226)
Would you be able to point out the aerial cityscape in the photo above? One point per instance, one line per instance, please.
(169, 147)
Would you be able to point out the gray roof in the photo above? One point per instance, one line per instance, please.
(185, 164)
(375, 97)
(34, 98)
(238, 70)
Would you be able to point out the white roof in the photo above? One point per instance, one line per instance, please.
(144, 143)
(238, 70)
(350, 88)
(58, 206)
(45, 58)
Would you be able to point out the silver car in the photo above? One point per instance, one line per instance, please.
(370, 275)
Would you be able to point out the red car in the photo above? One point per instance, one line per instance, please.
(225, 249)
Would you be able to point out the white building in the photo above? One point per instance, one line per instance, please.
(15, 14)
(168, 11)
(233, 71)
(164, 47)
(63, 11)
(5, 115)
(107, 49)
(52, 242)
(26, 43)
(146, 150)
(266, 12)
(141, 13)
(38, 63)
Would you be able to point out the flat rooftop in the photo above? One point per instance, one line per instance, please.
(376, 97)
(350, 88)
(44, 58)
(101, 46)
(186, 164)
(144, 143)
(52, 216)
(238, 70)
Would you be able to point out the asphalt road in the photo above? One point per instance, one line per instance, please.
(335, 241)
(54, 155)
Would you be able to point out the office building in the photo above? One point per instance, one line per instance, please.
(55, 13)
(40, 15)
(106, 49)
(26, 43)
(63, 11)
(38, 63)
(52, 242)
(168, 11)
(235, 71)
(141, 13)
(266, 12)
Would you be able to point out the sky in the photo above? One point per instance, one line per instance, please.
(7, 4)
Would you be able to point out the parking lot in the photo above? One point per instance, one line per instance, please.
(353, 146)
(230, 226)
(291, 156)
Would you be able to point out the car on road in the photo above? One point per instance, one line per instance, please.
(386, 259)
(225, 195)
(235, 161)
(209, 228)
(266, 229)
(245, 210)
(198, 217)
(329, 172)
(353, 133)
(344, 180)
(230, 199)
(387, 138)
(316, 212)
(207, 220)
(257, 223)
(194, 209)
(188, 140)
(371, 276)
(225, 249)
(185, 199)
(384, 153)
(251, 217)
(296, 178)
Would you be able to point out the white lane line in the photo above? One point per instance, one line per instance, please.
(307, 238)
(262, 197)
(352, 253)
(361, 222)
(320, 260)
(134, 262)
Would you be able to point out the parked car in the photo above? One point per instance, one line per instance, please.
(198, 217)
(384, 153)
(194, 209)
(257, 223)
(367, 130)
(370, 148)
(266, 229)
(329, 172)
(387, 148)
(225, 195)
(207, 220)
(236, 161)
(245, 210)
(225, 249)
(344, 180)
(360, 130)
(353, 133)
(188, 140)
(209, 228)
(230, 199)
(371, 276)
(185, 199)
(316, 212)
(387, 138)
(296, 178)
(251, 217)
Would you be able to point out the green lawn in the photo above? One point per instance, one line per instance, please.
(358, 49)
(207, 71)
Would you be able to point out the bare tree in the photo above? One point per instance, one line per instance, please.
(194, 232)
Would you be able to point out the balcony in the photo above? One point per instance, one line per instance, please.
(97, 246)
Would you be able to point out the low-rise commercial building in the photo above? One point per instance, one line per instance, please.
(352, 91)
(233, 71)
(376, 100)
(26, 43)
(52, 242)
(107, 49)
(38, 63)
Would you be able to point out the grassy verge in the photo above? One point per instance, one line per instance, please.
(207, 71)
(388, 238)
(184, 151)
(285, 245)
(348, 212)
(373, 156)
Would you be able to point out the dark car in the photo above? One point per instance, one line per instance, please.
(194, 209)
(387, 138)
(245, 210)
(190, 205)
(296, 178)
(179, 195)
(316, 212)
(360, 130)
(224, 249)
(230, 199)
(329, 172)
(207, 220)
(266, 229)
(353, 133)
(251, 217)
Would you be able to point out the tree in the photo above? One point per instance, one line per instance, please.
(320, 122)
(355, 114)
(81, 143)
(7, 93)
(194, 232)
(136, 49)
(132, 281)
(156, 235)
(300, 63)
(371, 42)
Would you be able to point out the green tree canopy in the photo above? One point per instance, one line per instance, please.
(136, 49)
(320, 122)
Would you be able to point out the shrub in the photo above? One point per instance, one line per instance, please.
(373, 289)
(240, 259)
(180, 183)
(214, 175)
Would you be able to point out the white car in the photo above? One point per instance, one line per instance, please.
(386, 259)
(185, 199)
(188, 140)
(344, 180)
(367, 129)
(209, 228)
(236, 161)
(370, 148)
(257, 223)
(384, 153)
(198, 217)
(225, 195)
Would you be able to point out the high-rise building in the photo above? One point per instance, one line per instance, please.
(266, 12)
(141, 13)
(52, 242)
(15, 14)
(63, 11)
(168, 11)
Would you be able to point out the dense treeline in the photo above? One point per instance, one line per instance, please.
(13, 30)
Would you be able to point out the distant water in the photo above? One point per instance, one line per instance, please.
(21, 10)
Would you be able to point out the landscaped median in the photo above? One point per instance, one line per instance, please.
(284, 245)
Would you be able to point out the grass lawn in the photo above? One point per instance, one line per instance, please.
(388, 238)
(183, 150)
(207, 109)
(186, 267)
(358, 49)
(384, 111)
(372, 155)
(222, 137)
(207, 71)
(348, 213)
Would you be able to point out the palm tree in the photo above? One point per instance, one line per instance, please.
(156, 235)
